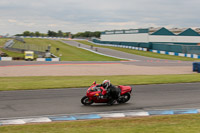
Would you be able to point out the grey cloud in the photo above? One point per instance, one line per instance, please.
(80, 15)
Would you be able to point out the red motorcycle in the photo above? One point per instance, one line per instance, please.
(96, 94)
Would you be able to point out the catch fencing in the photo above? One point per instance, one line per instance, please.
(21, 47)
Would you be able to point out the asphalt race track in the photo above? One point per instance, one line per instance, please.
(138, 63)
(67, 100)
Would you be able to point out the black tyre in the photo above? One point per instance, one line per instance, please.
(124, 98)
(85, 101)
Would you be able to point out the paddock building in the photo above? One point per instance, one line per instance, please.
(174, 40)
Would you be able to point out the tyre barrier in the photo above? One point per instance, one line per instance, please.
(176, 54)
(5, 58)
(130, 113)
(38, 59)
(48, 59)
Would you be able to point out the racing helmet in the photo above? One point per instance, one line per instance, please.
(106, 83)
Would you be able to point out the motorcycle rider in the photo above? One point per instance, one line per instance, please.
(112, 91)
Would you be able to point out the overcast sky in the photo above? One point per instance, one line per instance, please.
(75, 16)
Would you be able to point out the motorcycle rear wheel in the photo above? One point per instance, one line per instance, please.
(85, 101)
(124, 98)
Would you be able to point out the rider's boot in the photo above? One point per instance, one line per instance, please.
(111, 101)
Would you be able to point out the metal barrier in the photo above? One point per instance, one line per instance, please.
(9, 44)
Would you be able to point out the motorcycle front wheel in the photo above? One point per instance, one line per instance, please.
(85, 101)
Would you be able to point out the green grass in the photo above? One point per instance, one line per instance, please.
(3, 41)
(155, 124)
(13, 54)
(25, 83)
(143, 53)
(10, 53)
(34, 47)
(69, 53)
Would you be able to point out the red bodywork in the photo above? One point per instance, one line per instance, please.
(94, 93)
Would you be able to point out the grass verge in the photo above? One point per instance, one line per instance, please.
(143, 53)
(48, 82)
(66, 52)
(155, 124)
(10, 53)
(3, 41)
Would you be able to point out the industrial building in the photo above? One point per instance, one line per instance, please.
(174, 40)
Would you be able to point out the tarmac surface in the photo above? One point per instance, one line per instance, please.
(93, 68)
(67, 100)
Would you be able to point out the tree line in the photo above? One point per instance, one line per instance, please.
(50, 33)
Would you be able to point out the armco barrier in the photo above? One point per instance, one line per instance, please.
(122, 114)
(48, 59)
(5, 58)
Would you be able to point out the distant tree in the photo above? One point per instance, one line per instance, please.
(52, 33)
(55, 34)
(97, 34)
(43, 34)
(19, 34)
(26, 33)
(66, 34)
(87, 34)
(79, 34)
(60, 33)
(49, 33)
(37, 33)
(32, 34)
